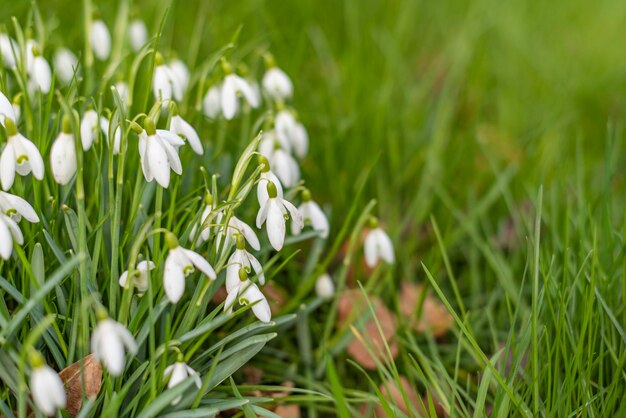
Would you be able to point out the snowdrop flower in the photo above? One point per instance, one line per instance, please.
(158, 153)
(275, 82)
(46, 386)
(63, 154)
(180, 263)
(181, 127)
(242, 259)
(377, 245)
(291, 131)
(248, 293)
(233, 86)
(178, 372)
(324, 286)
(237, 226)
(39, 71)
(205, 219)
(181, 72)
(100, 40)
(109, 341)
(89, 128)
(312, 214)
(138, 34)
(9, 50)
(65, 65)
(274, 213)
(140, 279)
(265, 177)
(212, 102)
(165, 83)
(6, 109)
(12, 209)
(117, 135)
(20, 156)
(285, 167)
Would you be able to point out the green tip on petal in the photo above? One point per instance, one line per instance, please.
(10, 127)
(66, 125)
(272, 192)
(149, 126)
(264, 164)
(243, 274)
(171, 241)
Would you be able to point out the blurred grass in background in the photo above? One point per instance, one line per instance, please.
(459, 110)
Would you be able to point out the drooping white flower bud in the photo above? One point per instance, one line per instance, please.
(324, 286)
(137, 34)
(140, 279)
(273, 213)
(178, 372)
(212, 102)
(20, 156)
(46, 386)
(158, 153)
(313, 215)
(377, 245)
(65, 65)
(63, 154)
(89, 128)
(100, 40)
(109, 341)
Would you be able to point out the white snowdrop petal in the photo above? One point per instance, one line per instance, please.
(15, 230)
(161, 84)
(113, 355)
(371, 250)
(229, 98)
(195, 375)
(34, 157)
(158, 162)
(275, 225)
(63, 158)
(145, 167)
(318, 218)
(296, 216)
(200, 263)
(324, 287)
(42, 74)
(100, 40)
(88, 126)
(190, 133)
(230, 299)
(262, 214)
(125, 337)
(47, 390)
(385, 247)
(172, 157)
(7, 167)
(65, 64)
(232, 276)
(260, 307)
(180, 71)
(247, 232)
(212, 102)
(123, 278)
(6, 109)
(170, 137)
(138, 34)
(258, 269)
(6, 240)
(246, 90)
(21, 206)
(300, 140)
(173, 280)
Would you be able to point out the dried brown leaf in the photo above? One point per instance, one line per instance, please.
(74, 378)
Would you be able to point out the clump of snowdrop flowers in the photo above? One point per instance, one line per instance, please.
(139, 278)
(247, 293)
(158, 153)
(12, 209)
(313, 215)
(284, 166)
(46, 385)
(232, 87)
(100, 39)
(377, 245)
(274, 213)
(324, 286)
(109, 342)
(63, 154)
(19, 156)
(178, 372)
(275, 82)
(179, 264)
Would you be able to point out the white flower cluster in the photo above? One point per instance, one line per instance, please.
(277, 177)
